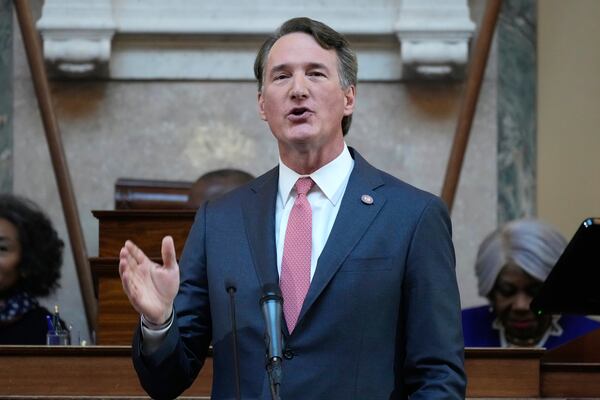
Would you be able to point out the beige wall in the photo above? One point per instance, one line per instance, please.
(568, 112)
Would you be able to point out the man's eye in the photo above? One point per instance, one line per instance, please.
(279, 77)
(316, 73)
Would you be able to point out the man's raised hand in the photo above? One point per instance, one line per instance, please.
(150, 287)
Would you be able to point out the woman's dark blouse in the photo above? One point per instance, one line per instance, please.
(31, 328)
(478, 328)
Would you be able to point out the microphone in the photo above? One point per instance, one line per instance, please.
(230, 287)
(271, 304)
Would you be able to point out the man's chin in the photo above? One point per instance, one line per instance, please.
(301, 133)
(300, 138)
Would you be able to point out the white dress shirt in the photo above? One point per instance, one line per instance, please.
(324, 198)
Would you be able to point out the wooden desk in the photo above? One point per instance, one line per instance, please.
(30, 371)
(573, 369)
(107, 371)
(496, 372)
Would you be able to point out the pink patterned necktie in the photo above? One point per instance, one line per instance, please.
(297, 249)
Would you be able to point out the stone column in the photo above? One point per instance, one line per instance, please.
(517, 113)
(6, 95)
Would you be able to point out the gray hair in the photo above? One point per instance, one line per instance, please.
(529, 243)
(328, 39)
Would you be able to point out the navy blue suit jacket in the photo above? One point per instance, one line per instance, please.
(381, 319)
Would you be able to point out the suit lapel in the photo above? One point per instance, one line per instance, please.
(259, 220)
(352, 221)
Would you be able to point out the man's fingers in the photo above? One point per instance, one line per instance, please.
(135, 252)
(124, 271)
(168, 252)
(126, 260)
(122, 261)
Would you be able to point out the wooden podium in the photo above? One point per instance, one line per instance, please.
(116, 318)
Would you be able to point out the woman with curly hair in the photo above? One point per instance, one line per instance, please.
(30, 263)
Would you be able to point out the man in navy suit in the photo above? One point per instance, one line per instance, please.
(380, 317)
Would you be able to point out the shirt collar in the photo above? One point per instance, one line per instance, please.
(329, 178)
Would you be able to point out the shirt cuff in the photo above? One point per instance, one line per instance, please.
(153, 335)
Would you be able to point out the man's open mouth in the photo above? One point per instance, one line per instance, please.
(299, 113)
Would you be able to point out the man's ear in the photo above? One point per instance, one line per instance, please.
(261, 106)
(349, 99)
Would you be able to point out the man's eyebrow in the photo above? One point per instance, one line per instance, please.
(316, 65)
(312, 65)
(278, 68)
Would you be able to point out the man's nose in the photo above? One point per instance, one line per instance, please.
(299, 89)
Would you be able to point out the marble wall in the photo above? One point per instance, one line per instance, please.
(6, 95)
(180, 130)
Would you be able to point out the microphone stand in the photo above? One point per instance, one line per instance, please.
(236, 360)
(274, 372)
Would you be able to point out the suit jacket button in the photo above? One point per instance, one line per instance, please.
(288, 354)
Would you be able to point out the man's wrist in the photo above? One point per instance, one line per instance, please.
(157, 327)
